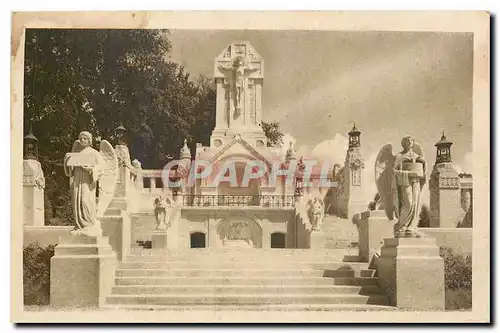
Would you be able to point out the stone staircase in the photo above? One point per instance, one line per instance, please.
(245, 279)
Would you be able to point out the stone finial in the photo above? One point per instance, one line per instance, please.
(185, 151)
(290, 153)
(136, 164)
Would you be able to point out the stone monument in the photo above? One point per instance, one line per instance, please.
(447, 198)
(351, 188)
(410, 268)
(83, 263)
(239, 74)
(33, 183)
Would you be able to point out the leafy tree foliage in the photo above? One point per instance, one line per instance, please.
(96, 79)
(36, 274)
(425, 217)
(273, 133)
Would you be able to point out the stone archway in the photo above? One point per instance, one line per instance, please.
(239, 232)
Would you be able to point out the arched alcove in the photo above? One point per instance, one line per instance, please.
(197, 240)
(278, 240)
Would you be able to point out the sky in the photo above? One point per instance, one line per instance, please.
(317, 83)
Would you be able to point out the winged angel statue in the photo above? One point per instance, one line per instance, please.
(400, 179)
(86, 166)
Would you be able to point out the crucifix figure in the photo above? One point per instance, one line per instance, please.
(239, 73)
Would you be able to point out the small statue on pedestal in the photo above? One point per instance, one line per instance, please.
(316, 213)
(161, 211)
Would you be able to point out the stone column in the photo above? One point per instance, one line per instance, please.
(373, 228)
(412, 273)
(266, 234)
(173, 230)
(317, 240)
(81, 271)
(33, 201)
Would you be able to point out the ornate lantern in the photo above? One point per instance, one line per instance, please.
(443, 150)
(30, 143)
(120, 133)
(354, 134)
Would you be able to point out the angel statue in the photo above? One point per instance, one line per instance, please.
(316, 213)
(162, 209)
(86, 166)
(400, 179)
(239, 71)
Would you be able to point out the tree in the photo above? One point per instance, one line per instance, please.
(273, 133)
(424, 218)
(96, 79)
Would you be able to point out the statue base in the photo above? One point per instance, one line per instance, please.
(317, 240)
(81, 271)
(412, 273)
(159, 239)
(373, 227)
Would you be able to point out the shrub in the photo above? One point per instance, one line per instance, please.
(458, 279)
(36, 274)
(424, 220)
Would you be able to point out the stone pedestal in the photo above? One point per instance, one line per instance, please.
(412, 273)
(373, 227)
(317, 240)
(33, 201)
(159, 240)
(81, 271)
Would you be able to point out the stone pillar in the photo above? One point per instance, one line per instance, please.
(412, 273)
(33, 185)
(373, 227)
(317, 240)
(212, 232)
(445, 196)
(81, 271)
(173, 230)
(266, 234)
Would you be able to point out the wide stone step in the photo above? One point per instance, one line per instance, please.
(357, 266)
(253, 307)
(246, 289)
(172, 299)
(214, 272)
(233, 273)
(283, 280)
(263, 259)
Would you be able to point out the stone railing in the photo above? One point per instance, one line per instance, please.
(276, 201)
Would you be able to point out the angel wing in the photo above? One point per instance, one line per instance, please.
(417, 148)
(107, 181)
(383, 178)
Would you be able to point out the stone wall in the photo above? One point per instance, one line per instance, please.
(44, 235)
(458, 239)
